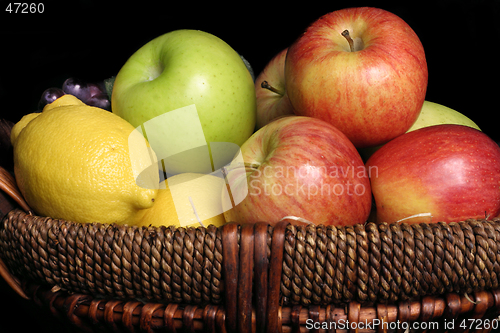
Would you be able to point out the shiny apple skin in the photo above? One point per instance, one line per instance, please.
(449, 171)
(373, 94)
(301, 167)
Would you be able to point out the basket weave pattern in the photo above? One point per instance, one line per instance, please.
(321, 264)
(166, 264)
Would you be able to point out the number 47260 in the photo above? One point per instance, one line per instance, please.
(25, 8)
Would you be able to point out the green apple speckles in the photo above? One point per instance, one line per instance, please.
(186, 67)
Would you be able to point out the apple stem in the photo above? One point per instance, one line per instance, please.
(267, 86)
(251, 165)
(345, 33)
(239, 165)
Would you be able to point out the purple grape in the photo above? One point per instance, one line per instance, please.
(100, 102)
(77, 88)
(49, 95)
(89, 93)
(97, 97)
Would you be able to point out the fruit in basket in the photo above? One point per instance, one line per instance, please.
(49, 95)
(450, 172)
(272, 100)
(301, 167)
(18, 127)
(72, 162)
(93, 94)
(180, 196)
(361, 69)
(437, 114)
(183, 68)
(430, 114)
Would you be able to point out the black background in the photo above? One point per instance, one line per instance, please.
(91, 40)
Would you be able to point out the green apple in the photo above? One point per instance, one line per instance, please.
(430, 114)
(437, 114)
(186, 90)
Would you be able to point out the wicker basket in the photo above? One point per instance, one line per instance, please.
(254, 278)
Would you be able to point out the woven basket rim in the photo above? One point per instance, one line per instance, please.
(9, 186)
(229, 315)
(295, 269)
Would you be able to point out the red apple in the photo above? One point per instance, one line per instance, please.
(363, 70)
(449, 172)
(272, 100)
(301, 167)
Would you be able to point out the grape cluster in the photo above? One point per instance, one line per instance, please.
(93, 94)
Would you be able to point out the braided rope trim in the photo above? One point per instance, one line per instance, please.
(164, 264)
(389, 262)
(321, 264)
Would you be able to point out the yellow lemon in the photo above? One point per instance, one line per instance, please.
(16, 129)
(73, 162)
(185, 200)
